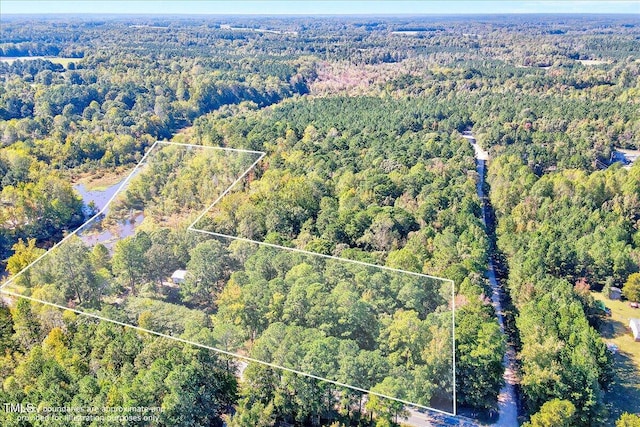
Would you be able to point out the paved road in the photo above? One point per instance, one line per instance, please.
(425, 418)
(507, 403)
(420, 418)
(417, 418)
(508, 408)
(480, 153)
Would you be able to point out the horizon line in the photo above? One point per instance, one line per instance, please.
(300, 14)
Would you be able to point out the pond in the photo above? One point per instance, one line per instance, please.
(99, 197)
(95, 232)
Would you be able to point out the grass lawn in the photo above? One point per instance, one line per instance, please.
(624, 395)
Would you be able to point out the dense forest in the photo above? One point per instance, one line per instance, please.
(360, 120)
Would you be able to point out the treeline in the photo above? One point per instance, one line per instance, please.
(105, 108)
(360, 40)
(338, 325)
(368, 179)
(565, 117)
(564, 234)
(391, 193)
(169, 92)
(53, 359)
(28, 49)
(103, 113)
(372, 169)
(357, 175)
(35, 204)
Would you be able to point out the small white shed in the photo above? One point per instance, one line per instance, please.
(634, 324)
(179, 276)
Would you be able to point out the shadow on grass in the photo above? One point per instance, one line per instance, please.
(611, 328)
(624, 395)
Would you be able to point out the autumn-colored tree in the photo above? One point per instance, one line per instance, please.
(554, 413)
(23, 255)
(631, 289)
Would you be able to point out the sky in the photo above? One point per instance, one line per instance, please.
(293, 7)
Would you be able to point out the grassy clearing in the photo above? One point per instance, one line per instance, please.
(101, 180)
(624, 396)
(593, 61)
(62, 61)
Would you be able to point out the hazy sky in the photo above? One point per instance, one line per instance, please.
(316, 7)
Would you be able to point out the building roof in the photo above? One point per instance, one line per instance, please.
(179, 275)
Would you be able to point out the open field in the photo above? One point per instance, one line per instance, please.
(625, 392)
(62, 61)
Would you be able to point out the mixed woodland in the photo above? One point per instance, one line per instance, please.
(361, 121)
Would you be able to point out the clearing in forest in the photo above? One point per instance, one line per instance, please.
(157, 258)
